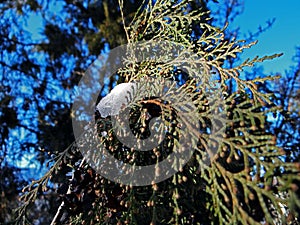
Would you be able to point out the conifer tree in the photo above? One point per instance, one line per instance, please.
(246, 181)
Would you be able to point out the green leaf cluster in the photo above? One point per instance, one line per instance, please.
(246, 181)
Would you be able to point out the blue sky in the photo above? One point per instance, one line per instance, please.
(282, 37)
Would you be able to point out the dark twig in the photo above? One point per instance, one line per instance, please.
(59, 213)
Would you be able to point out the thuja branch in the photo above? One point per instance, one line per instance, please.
(41, 184)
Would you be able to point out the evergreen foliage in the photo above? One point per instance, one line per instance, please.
(247, 181)
(254, 176)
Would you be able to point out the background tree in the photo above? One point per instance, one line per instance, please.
(38, 79)
(287, 125)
